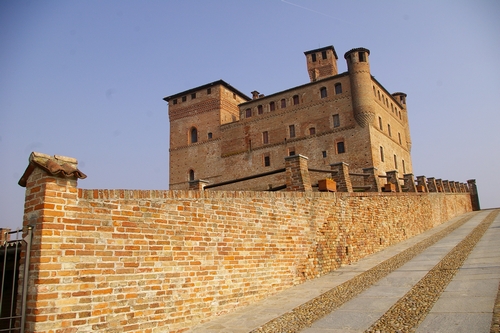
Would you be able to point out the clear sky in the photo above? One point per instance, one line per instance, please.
(86, 79)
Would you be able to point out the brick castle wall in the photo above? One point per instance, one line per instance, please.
(162, 261)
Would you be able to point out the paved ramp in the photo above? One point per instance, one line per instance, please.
(444, 280)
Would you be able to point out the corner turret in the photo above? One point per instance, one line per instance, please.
(321, 63)
(358, 66)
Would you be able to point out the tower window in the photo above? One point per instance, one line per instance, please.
(324, 153)
(336, 120)
(260, 109)
(291, 151)
(184, 98)
(338, 88)
(399, 136)
(380, 123)
(265, 137)
(395, 162)
(292, 131)
(191, 175)
(340, 147)
(382, 153)
(404, 168)
(295, 99)
(193, 95)
(193, 133)
(389, 129)
(267, 160)
(313, 57)
(312, 131)
(209, 91)
(174, 101)
(362, 56)
(248, 113)
(323, 92)
(283, 103)
(323, 55)
(272, 106)
(209, 135)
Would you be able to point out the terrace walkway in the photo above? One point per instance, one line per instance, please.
(444, 280)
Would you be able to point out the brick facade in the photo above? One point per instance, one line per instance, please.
(337, 117)
(162, 261)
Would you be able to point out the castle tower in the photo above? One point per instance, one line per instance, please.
(358, 66)
(321, 63)
(401, 98)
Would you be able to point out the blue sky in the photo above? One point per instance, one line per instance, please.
(86, 78)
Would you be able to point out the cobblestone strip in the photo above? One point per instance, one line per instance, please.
(304, 315)
(411, 309)
(495, 321)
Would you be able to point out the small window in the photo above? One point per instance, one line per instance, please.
(378, 92)
(362, 56)
(248, 113)
(291, 151)
(234, 96)
(272, 106)
(260, 109)
(395, 162)
(399, 136)
(295, 99)
(193, 95)
(400, 115)
(340, 147)
(209, 135)
(267, 160)
(174, 101)
(283, 103)
(404, 168)
(292, 131)
(374, 91)
(191, 175)
(313, 57)
(323, 92)
(194, 135)
(382, 153)
(380, 123)
(336, 120)
(338, 88)
(389, 129)
(209, 91)
(312, 131)
(324, 153)
(265, 137)
(392, 108)
(323, 55)
(184, 98)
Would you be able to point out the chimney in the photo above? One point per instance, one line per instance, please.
(255, 94)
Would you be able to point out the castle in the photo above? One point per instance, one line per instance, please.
(218, 134)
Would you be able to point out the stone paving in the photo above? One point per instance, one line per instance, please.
(444, 280)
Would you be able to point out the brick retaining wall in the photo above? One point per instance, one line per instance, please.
(162, 261)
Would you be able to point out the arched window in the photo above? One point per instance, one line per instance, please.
(193, 135)
(295, 99)
(283, 103)
(323, 92)
(338, 88)
(191, 175)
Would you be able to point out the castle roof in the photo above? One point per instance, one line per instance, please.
(205, 86)
(323, 49)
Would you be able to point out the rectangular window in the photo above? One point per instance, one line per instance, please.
(380, 123)
(395, 162)
(313, 57)
(272, 106)
(323, 55)
(362, 57)
(323, 92)
(312, 131)
(193, 95)
(209, 91)
(404, 168)
(338, 89)
(389, 129)
(248, 113)
(292, 131)
(260, 109)
(174, 101)
(291, 152)
(283, 103)
(336, 120)
(324, 153)
(184, 98)
(399, 136)
(340, 147)
(267, 160)
(382, 153)
(265, 137)
(295, 99)
(209, 135)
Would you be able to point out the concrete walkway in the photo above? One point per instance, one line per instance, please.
(465, 305)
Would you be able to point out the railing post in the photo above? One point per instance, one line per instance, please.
(342, 177)
(372, 180)
(474, 196)
(432, 185)
(422, 183)
(410, 182)
(392, 178)
(297, 174)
